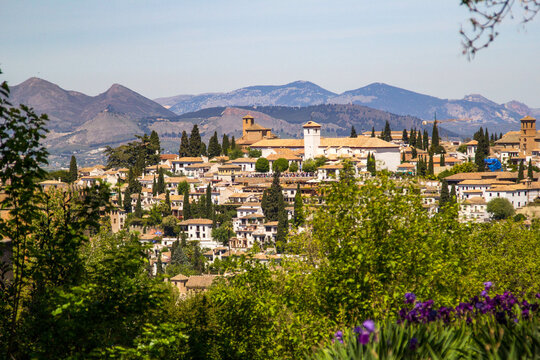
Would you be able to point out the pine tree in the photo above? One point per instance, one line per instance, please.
(298, 207)
(445, 194)
(353, 132)
(154, 143)
(530, 174)
(186, 207)
(425, 144)
(195, 142)
(184, 145)
(412, 138)
(225, 145)
(373, 131)
(405, 136)
(138, 208)
(209, 209)
(430, 165)
(521, 171)
(161, 182)
(419, 142)
(214, 149)
(73, 171)
(442, 162)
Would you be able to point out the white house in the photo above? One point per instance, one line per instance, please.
(200, 230)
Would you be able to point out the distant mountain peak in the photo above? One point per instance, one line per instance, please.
(479, 98)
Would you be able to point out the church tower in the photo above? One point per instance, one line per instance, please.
(312, 139)
(247, 121)
(527, 135)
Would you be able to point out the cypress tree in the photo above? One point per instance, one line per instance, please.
(138, 208)
(127, 200)
(402, 157)
(233, 143)
(405, 136)
(184, 145)
(387, 132)
(445, 194)
(442, 163)
(214, 149)
(530, 174)
(283, 225)
(167, 209)
(453, 195)
(209, 207)
(154, 145)
(186, 207)
(373, 131)
(154, 186)
(419, 142)
(225, 145)
(159, 265)
(353, 132)
(412, 138)
(414, 153)
(161, 182)
(274, 196)
(521, 171)
(195, 142)
(73, 171)
(298, 207)
(425, 140)
(371, 164)
(482, 149)
(203, 149)
(119, 197)
(430, 165)
(435, 140)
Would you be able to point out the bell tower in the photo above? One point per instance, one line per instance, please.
(312, 139)
(247, 121)
(527, 135)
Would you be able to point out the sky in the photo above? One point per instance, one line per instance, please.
(165, 48)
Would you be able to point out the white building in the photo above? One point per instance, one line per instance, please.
(474, 209)
(200, 230)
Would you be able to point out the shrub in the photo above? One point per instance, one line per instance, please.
(262, 165)
(280, 165)
(500, 208)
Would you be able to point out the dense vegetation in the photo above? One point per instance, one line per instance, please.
(79, 291)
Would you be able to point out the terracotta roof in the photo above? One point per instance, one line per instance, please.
(179, 277)
(229, 166)
(472, 142)
(200, 281)
(358, 142)
(311, 124)
(244, 160)
(406, 165)
(188, 159)
(256, 127)
(292, 143)
(475, 200)
(197, 222)
(528, 118)
(331, 166)
(284, 156)
(168, 156)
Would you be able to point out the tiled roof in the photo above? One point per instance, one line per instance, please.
(311, 124)
(197, 222)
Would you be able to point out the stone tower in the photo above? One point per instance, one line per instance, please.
(312, 139)
(247, 121)
(527, 135)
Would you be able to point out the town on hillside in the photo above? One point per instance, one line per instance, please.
(222, 197)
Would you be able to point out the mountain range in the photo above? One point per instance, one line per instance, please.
(472, 111)
(84, 125)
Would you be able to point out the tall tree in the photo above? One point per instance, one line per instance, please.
(425, 139)
(353, 132)
(184, 145)
(73, 171)
(419, 142)
(214, 149)
(138, 208)
(442, 162)
(414, 153)
(430, 165)
(371, 164)
(195, 142)
(445, 194)
(435, 140)
(373, 131)
(225, 145)
(521, 171)
(203, 151)
(412, 138)
(233, 143)
(154, 186)
(298, 207)
(154, 143)
(209, 208)
(405, 136)
(453, 195)
(167, 208)
(161, 182)
(186, 206)
(119, 197)
(387, 132)
(271, 201)
(530, 174)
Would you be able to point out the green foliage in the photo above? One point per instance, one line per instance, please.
(482, 150)
(138, 208)
(372, 131)
(298, 208)
(183, 187)
(195, 142)
(225, 146)
(184, 149)
(500, 208)
(309, 166)
(254, 153)
(530, 174)
(235, 153)
(280, 165)
(214, 149)
(405, 136)
(466, 167)
(223, 233)
(293, 167)
(262, 165)
(387, 132)
(521, 171)
(169, 225)
(136, 154)
(63, 175)
(371, 164)
(73, 172)
(353, 132)
(186, 206)
(272, 202)
(419, 142)
(462, 148)
(445, 194)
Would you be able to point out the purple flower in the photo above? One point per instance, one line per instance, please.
(409, 298)
(488, 285)
(339, 336)
(413, 344)
(484, 293)
(363, 338)
(369, 325)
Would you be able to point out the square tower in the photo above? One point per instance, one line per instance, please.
(247, 121)
(527, 135)
(312, 139)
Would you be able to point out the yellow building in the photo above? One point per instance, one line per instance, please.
(252, 132)
(527, 140)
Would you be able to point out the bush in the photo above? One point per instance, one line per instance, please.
(293, 168)
(500, 208)
(280, 165)
(254, 153)
(309, 166)
(262, 165)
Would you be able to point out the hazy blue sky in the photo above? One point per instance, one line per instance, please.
(165, 48)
